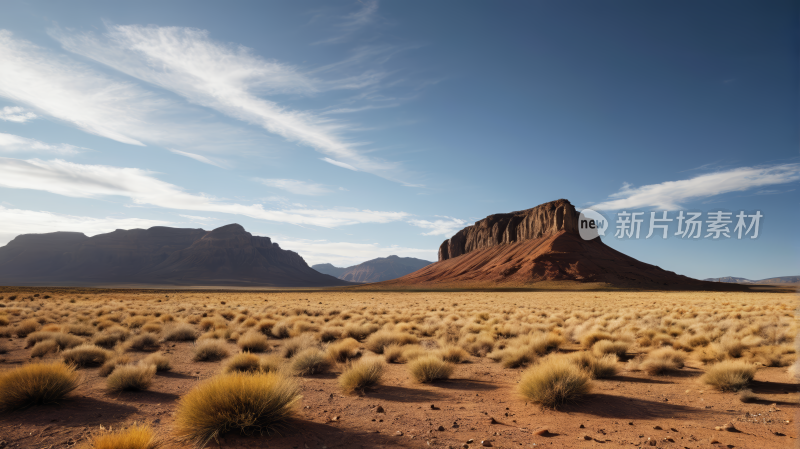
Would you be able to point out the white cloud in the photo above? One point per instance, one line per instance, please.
(446, 227)
(198, 158)
(196, 219)
(339, 164)
(16, 114)
(98, 181)
(225, 78)
(354, 21)
(14, 222)
(60, 87)
(295, 186)
(669, 195)
(10, 143)
(343, 254)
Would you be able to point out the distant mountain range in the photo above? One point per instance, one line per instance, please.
(777, 280)
(226, 256)
(375, 270)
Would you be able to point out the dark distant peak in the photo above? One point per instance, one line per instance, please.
(324, 265)
(50, 237)
(392, 257)
(227, 231)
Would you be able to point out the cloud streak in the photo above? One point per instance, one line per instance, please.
(143, 188)
(14, 222)
(224, 78)
(671, 194)
(198, 157)
(446, 227)
(10, 143)
(296, 186)
(346, 253)
(16, 114)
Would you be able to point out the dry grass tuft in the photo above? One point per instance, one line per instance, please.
(597, 367)
(244, 362)
(135, 437)
(342, 351)
(603, 347)
(362, 374)
(130, 377)
(248, 403)
(143, 342)
(35, 384)
(210, 351)
(253, 341)
(379, 340)
(86, 355)
(661, 361)
(554, 381)
(310, 361)
(160, 361)
(180, 332)
(729, 375)
(430, 368)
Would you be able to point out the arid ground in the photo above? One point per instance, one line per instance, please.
(491, 338)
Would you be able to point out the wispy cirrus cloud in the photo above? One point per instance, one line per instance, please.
(445, 226)
(343, 254)
(339, 163)
(296, 186)
(669, 195)
(14, 222)
(16, 114)
(10, 143)
(351, 23)
(143, 188)
(58, 86)
(199, 158)
(227, 79)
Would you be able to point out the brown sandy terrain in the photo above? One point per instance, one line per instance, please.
(478, 403)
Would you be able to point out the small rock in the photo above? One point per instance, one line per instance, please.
(3, 443)
(399, 433)
(727, 427)
(542, 431)
(465, 446)
(486, 443)
(379, 410)
(714, 442)
(155, 421)
(336, 418)
(493, 421)
(651, 442)
(777, 434)
(657, 428)
(469, 441)
(440, 428)
(587, 437)
(673, 429)
(455, 425)
(581, 426)
(630, 423)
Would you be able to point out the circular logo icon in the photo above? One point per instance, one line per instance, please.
(591, 224)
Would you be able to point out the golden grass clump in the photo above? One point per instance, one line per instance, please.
(130, 377)
(729, 375)
(134, 437)
(453, 354)
(554, 381)
(430, 368)
(111, 364)
(243, 362)
(361, 374)
(180, 332)
(310, 361)
(253, 341)
(296, 344)
(160, 361)
(598, 367)
(377, 341)
(143, 342)
(25, 327)
(344, 350)
(589, 339)
(661, 361)
(36, 384)
(393, 353)
(86, 355)
(210, 351)
(43, 348)
(603, 347)
(248, 403)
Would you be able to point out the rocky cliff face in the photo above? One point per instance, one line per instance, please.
(225, 256)
(541, 221)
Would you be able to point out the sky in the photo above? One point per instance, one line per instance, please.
(350, 130)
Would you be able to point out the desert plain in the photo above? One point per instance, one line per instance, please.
(643, 360)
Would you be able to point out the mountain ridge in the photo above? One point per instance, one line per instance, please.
(374, 270)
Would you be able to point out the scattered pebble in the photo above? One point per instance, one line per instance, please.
(379, 410)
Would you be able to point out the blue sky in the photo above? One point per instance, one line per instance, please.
(358, 129)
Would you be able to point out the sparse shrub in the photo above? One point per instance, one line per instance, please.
(253, 341)
(359, 332)
(296, 344)
(210, 351)
(36, 384)
(377, 341)
(26, 327)
(661, 361)
(310, 361)
(393, 353)
(43, 348)
(328, 334)
(111, 364)
(430, 369)
(83, 330)
(271, 363)
(589, 339)
(134, 437)
(153, 328)
(247, 403)
(361, 375)
(143, 342)
(131, 377)
(478, 344)
(244, 362)
(554, 381)
(747, 395)
(109, 338)
(453, 354)
(729, 375)
(160, 361)
(180, 332)
(597, 367)
(342, 351)
(413, 352)
(603, 347)
(86, 355)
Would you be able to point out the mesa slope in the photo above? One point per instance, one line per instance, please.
(539, 246)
